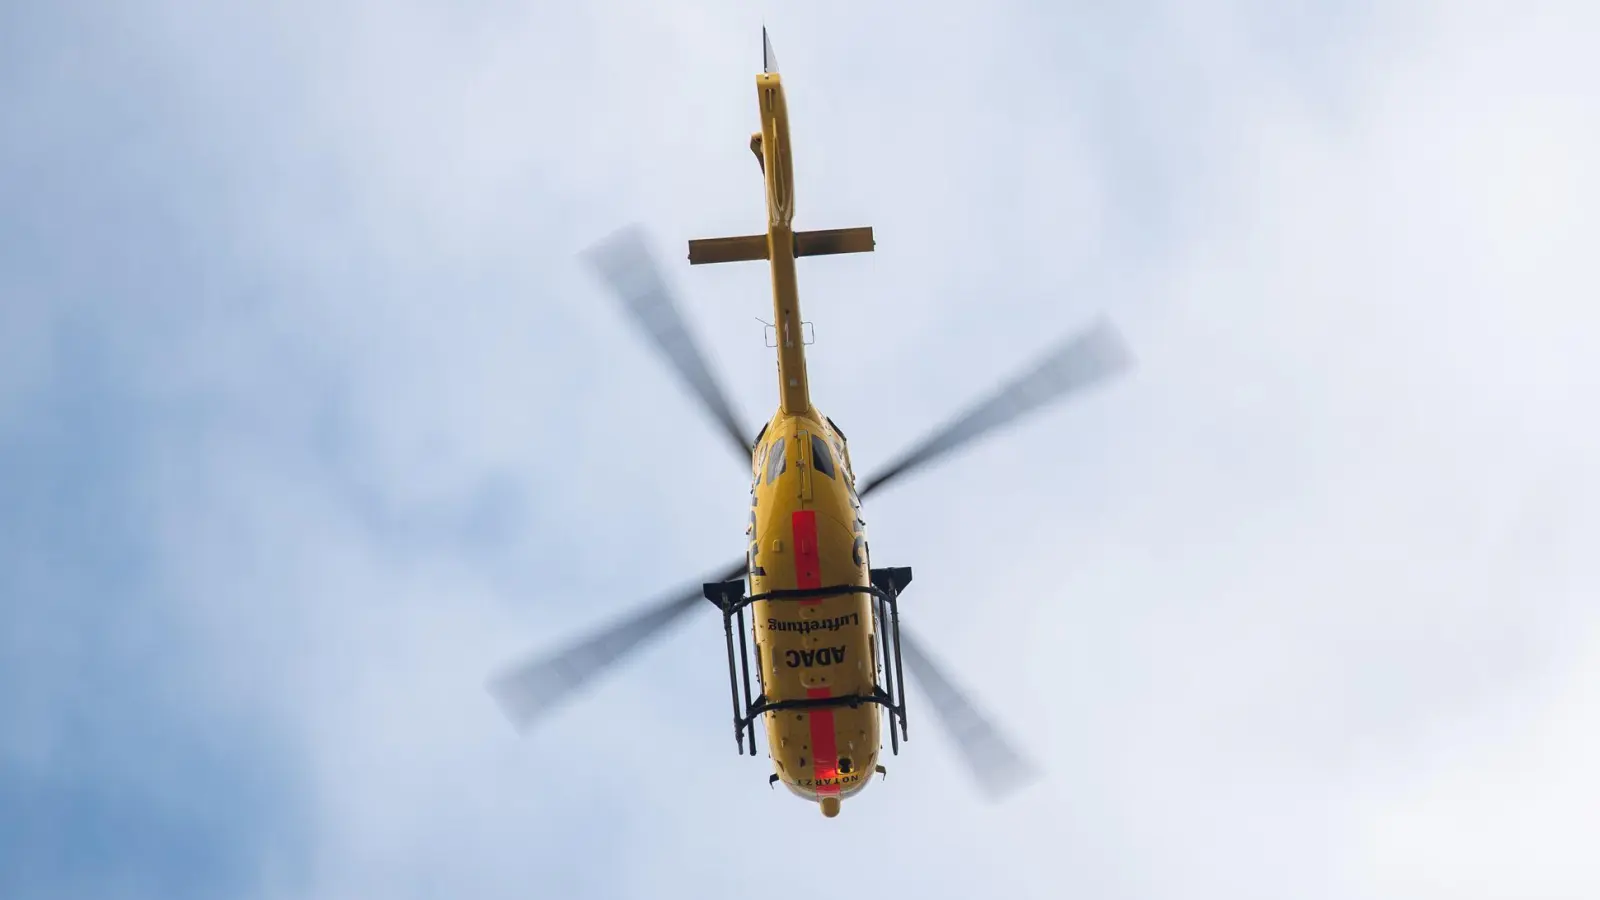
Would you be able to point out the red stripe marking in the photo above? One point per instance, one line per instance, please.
(824, 745)
(808, 574)
(807, 566)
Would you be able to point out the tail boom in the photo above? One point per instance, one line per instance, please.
(781, 245)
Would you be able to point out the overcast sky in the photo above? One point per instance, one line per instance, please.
(310, 419)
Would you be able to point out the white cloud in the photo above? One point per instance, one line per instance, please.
(1500, 802)
(1340, 507)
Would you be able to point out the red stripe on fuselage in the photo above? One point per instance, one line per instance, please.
(807, 562)
(808, 574)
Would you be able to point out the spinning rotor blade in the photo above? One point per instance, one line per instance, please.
(625, 264)
(528, 691)
(998, 769)
(1083, 360)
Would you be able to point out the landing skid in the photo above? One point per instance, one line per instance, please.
(887, 584)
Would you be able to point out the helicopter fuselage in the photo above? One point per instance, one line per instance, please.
(805, 532)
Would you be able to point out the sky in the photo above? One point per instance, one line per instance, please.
(311, 419)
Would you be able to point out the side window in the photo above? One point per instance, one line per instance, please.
(821, 459)
(843, 457)
(777, 460)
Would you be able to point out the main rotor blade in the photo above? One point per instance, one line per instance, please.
(530, 690)
(624, 262)
(998, 768)
(1083, 360)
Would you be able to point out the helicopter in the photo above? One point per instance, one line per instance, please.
(829, 648)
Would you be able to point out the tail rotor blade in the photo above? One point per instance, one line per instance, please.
(531, 690)
(1086, 359)
(769, 60)
(625, 264)
(998, 769)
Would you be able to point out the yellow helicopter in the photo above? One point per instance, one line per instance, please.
(829, 649)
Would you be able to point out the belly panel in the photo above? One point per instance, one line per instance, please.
(817, 649)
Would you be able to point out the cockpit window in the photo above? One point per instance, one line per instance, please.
(821, 459)
(777, 460)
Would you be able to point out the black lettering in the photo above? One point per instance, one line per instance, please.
(823, 656)
(810, 625)
(839, 781)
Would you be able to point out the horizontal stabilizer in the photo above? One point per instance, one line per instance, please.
(806, 243)
(730, 249)
(836, 240)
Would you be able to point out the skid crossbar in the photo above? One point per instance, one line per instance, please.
(887, 691)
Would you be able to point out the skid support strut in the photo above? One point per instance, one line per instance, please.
(888, 689)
